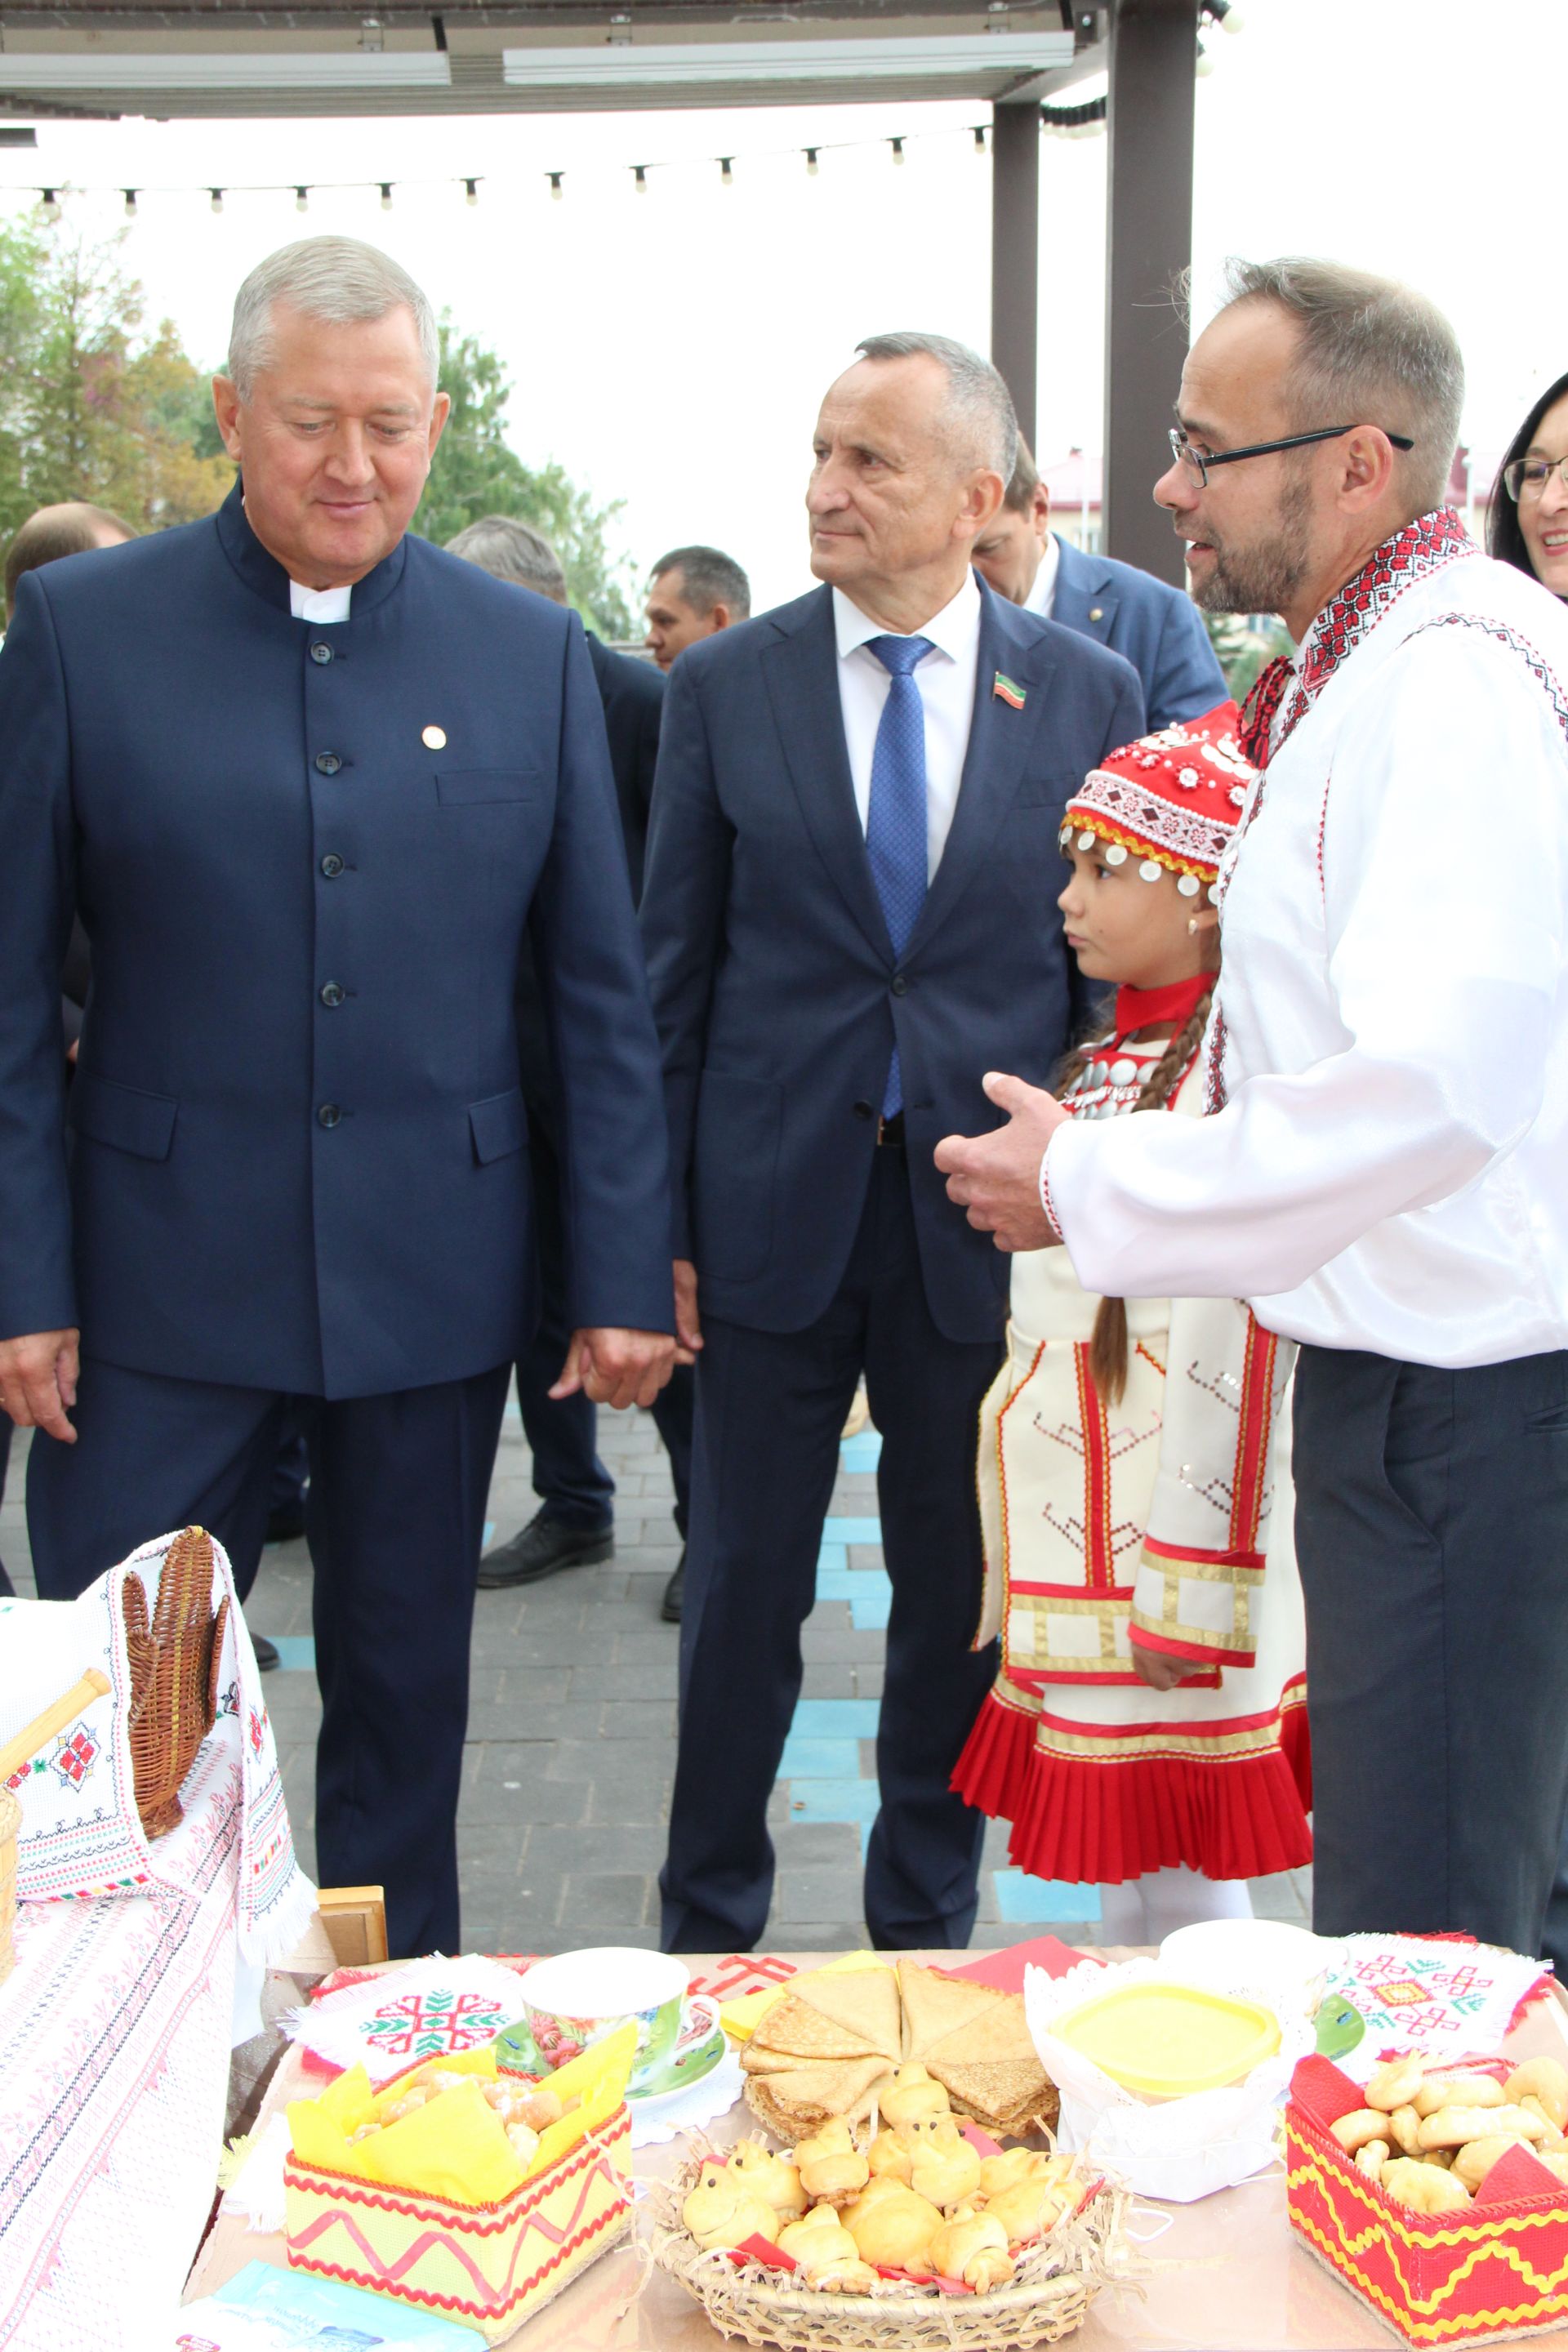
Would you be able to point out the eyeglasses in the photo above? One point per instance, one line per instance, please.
(1199, 464)
(1526, 477)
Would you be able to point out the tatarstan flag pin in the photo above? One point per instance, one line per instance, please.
(1006, 691)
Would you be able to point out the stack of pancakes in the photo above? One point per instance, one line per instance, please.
(834, 2043)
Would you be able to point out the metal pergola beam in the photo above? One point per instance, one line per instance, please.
(1016, 256)
(1149, 241)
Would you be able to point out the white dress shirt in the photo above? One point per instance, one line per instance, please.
(326, 604)
(1042, 596)
(1390, 1171)
(945, 678)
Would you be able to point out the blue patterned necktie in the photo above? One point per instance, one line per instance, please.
(896, 818)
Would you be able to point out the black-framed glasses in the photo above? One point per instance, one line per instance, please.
(1527, 478)
(1197, 463)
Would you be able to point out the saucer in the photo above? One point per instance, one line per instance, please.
(700, 2047)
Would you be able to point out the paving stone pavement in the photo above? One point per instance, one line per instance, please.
(571, 1747)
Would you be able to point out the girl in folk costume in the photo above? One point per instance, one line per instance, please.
(1148, 1730)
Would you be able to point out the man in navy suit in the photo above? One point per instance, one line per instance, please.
(310, 783)
(1155, 627)
(850, 916)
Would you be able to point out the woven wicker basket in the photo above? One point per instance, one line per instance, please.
(1048, 2297)
(10, 1823)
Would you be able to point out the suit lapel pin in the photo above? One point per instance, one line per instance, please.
(1006, 691)
(1096, 612)
(434, 739)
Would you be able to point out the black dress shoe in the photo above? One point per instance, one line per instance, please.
(544, 1548)
(674, 1592)
(266, 1653)
(287, 1523)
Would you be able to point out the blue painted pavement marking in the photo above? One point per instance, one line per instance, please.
(833, 1800)
(1023, 1901)
(819, 1760)
(852, 1531)
(296, 1652)
(861, 1453)
(836, 1718)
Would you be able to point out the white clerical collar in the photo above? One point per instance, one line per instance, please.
(1042, 596)
(318, 604)
(954, 631)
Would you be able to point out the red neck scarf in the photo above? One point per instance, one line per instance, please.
(1160, 1008)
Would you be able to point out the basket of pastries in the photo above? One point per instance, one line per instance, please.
(897, 2220)
(1437, 2191)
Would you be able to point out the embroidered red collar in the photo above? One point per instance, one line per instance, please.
(1423, 547)
(1159, 1008)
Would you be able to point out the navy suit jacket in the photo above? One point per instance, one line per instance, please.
(632, 693)
(1155, 627)
(776, 990)
(305, 857)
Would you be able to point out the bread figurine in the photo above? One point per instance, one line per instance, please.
(1395, 2085)
(825, 2251)
(1451, 2127)
(1425, 2188)
(831, 2167)
(1476, 2158)
(894, 2228)
(973, 2247)
(1371, 2158)
(776, 2182)
(889, 2158)
(1460, 2090)
(913, 2093)
(720, 2211)
(1545, 2081)
(1555, 2159)
(942, 2165)
(1353, 2131)
(1013, 2165)
(1404, 2131)
(1034, 2205)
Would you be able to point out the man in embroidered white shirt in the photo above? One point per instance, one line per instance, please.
(1383, 1178)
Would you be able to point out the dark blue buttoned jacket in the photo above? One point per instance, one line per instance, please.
(305, 857)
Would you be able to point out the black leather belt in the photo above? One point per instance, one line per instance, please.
(890, 1132)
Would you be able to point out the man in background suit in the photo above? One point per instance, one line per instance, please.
(574, 1526)
(310, 781)
(693, 593)
(850, 916)
(1155, 627)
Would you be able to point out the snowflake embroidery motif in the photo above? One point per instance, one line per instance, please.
(435, 2025)
(75, 1755)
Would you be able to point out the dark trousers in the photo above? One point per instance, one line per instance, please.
(1432, 1530)
(572, 1483)
(395, 1521)
(769, 1411)
(6, 1588)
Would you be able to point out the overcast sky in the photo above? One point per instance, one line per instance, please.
(670, 349)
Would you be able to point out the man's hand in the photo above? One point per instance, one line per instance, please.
(37, 1381)
(688, 1327)
(617, 1367)
(996, 1177)
(1160, 1671)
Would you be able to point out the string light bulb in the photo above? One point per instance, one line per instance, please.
(218, 200)
(1206, 63)
(301, 200)
(898, 147)
(471, 189)
(726, 171)
(49, 204)
(811, 166)
(557, 190)
(639, 173)
(130, 204)
(386, 195)
(980, 139)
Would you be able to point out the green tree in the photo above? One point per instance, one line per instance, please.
(1243, 649)
(477, 472)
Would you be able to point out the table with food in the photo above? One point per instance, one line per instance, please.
(1253, 2138)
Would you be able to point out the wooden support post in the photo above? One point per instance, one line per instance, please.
(1016, 255)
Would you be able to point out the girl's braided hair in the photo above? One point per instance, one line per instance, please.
(1107, 1342)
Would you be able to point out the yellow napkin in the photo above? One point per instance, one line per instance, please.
(742, 2018)
(456, 2145)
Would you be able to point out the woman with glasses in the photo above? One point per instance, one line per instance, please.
(1528, 521)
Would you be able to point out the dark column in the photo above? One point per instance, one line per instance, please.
(1015, 253)
(1149, 239)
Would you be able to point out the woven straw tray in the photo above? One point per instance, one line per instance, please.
(1049, 2297)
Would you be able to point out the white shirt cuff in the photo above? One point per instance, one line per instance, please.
(1046, 1204)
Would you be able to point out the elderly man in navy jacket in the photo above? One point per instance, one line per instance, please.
(851, 917)
(309, 782)
(1154, 626)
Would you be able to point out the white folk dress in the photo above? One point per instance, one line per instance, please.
(1169, 1512)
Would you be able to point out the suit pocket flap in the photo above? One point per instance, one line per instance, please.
(124, 1117)
(459, 786)
(499, 1126)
